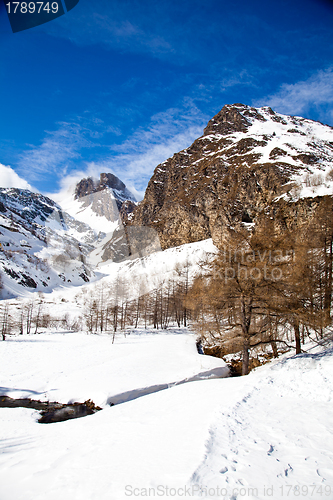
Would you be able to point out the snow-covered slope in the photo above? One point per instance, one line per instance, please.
(294, 143)
(138, 276)
(302, 148)
(267, 435)
(40, 248)
(45, 245)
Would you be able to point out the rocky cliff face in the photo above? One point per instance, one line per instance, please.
(107, 183)
(246, 159)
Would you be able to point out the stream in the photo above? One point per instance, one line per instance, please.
(52, 412)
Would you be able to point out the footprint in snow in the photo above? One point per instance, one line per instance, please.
(288, 470)
(271, 449)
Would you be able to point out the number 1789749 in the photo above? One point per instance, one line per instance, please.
(32, 7)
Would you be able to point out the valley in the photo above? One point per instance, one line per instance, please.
(197, 321)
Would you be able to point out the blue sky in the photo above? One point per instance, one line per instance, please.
(121, 85)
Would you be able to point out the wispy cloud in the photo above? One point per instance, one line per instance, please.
(167, 29)
(58, 148)
(135, 159)
(9, 178)
(315, 93)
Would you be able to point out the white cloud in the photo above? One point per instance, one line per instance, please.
(10, 179)
(315, 93)
(57, 149)
(68, 183)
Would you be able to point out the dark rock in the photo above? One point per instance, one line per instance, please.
(52, 412)
(276, 152)
(308, 159)
(27, 281)
(229, 119)
(66, 413)
(11, 273)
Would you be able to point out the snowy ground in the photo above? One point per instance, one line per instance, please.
(267, 435)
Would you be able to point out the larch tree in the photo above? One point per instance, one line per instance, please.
(242, 283)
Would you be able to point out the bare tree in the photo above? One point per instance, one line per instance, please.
(29, 307)
(38, 314)
(5, 320)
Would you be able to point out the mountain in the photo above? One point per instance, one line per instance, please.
(99, 202)
(246, 159)
(43, 246)
(40, 244)
(103, 203)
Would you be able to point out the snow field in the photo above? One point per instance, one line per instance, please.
(274, 432)
(251, 437)
(76, 367)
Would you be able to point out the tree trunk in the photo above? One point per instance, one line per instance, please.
(274, 349)
(328, 282)
(246, 358)
(297, 337)
(246, 314)
(137, 313)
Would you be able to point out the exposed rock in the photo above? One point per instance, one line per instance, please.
(245, 159)
(52, 412)
(107, 197)
(276, 152)
(89, 186)
(27, 281)
(308, 159)
(229, 119)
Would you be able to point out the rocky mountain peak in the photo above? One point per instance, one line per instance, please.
(229, 119)
(238, 118)
(111, 181)
(89, 185)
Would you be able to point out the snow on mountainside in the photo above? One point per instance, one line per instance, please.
(246, 159)
(40, 248)
(97, 202)
(43, 245)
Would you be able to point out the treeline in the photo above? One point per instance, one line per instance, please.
(32, 317)
(111, 308)
(106, 307)
(268, 287)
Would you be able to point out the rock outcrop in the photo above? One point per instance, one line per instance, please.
(107, 196)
